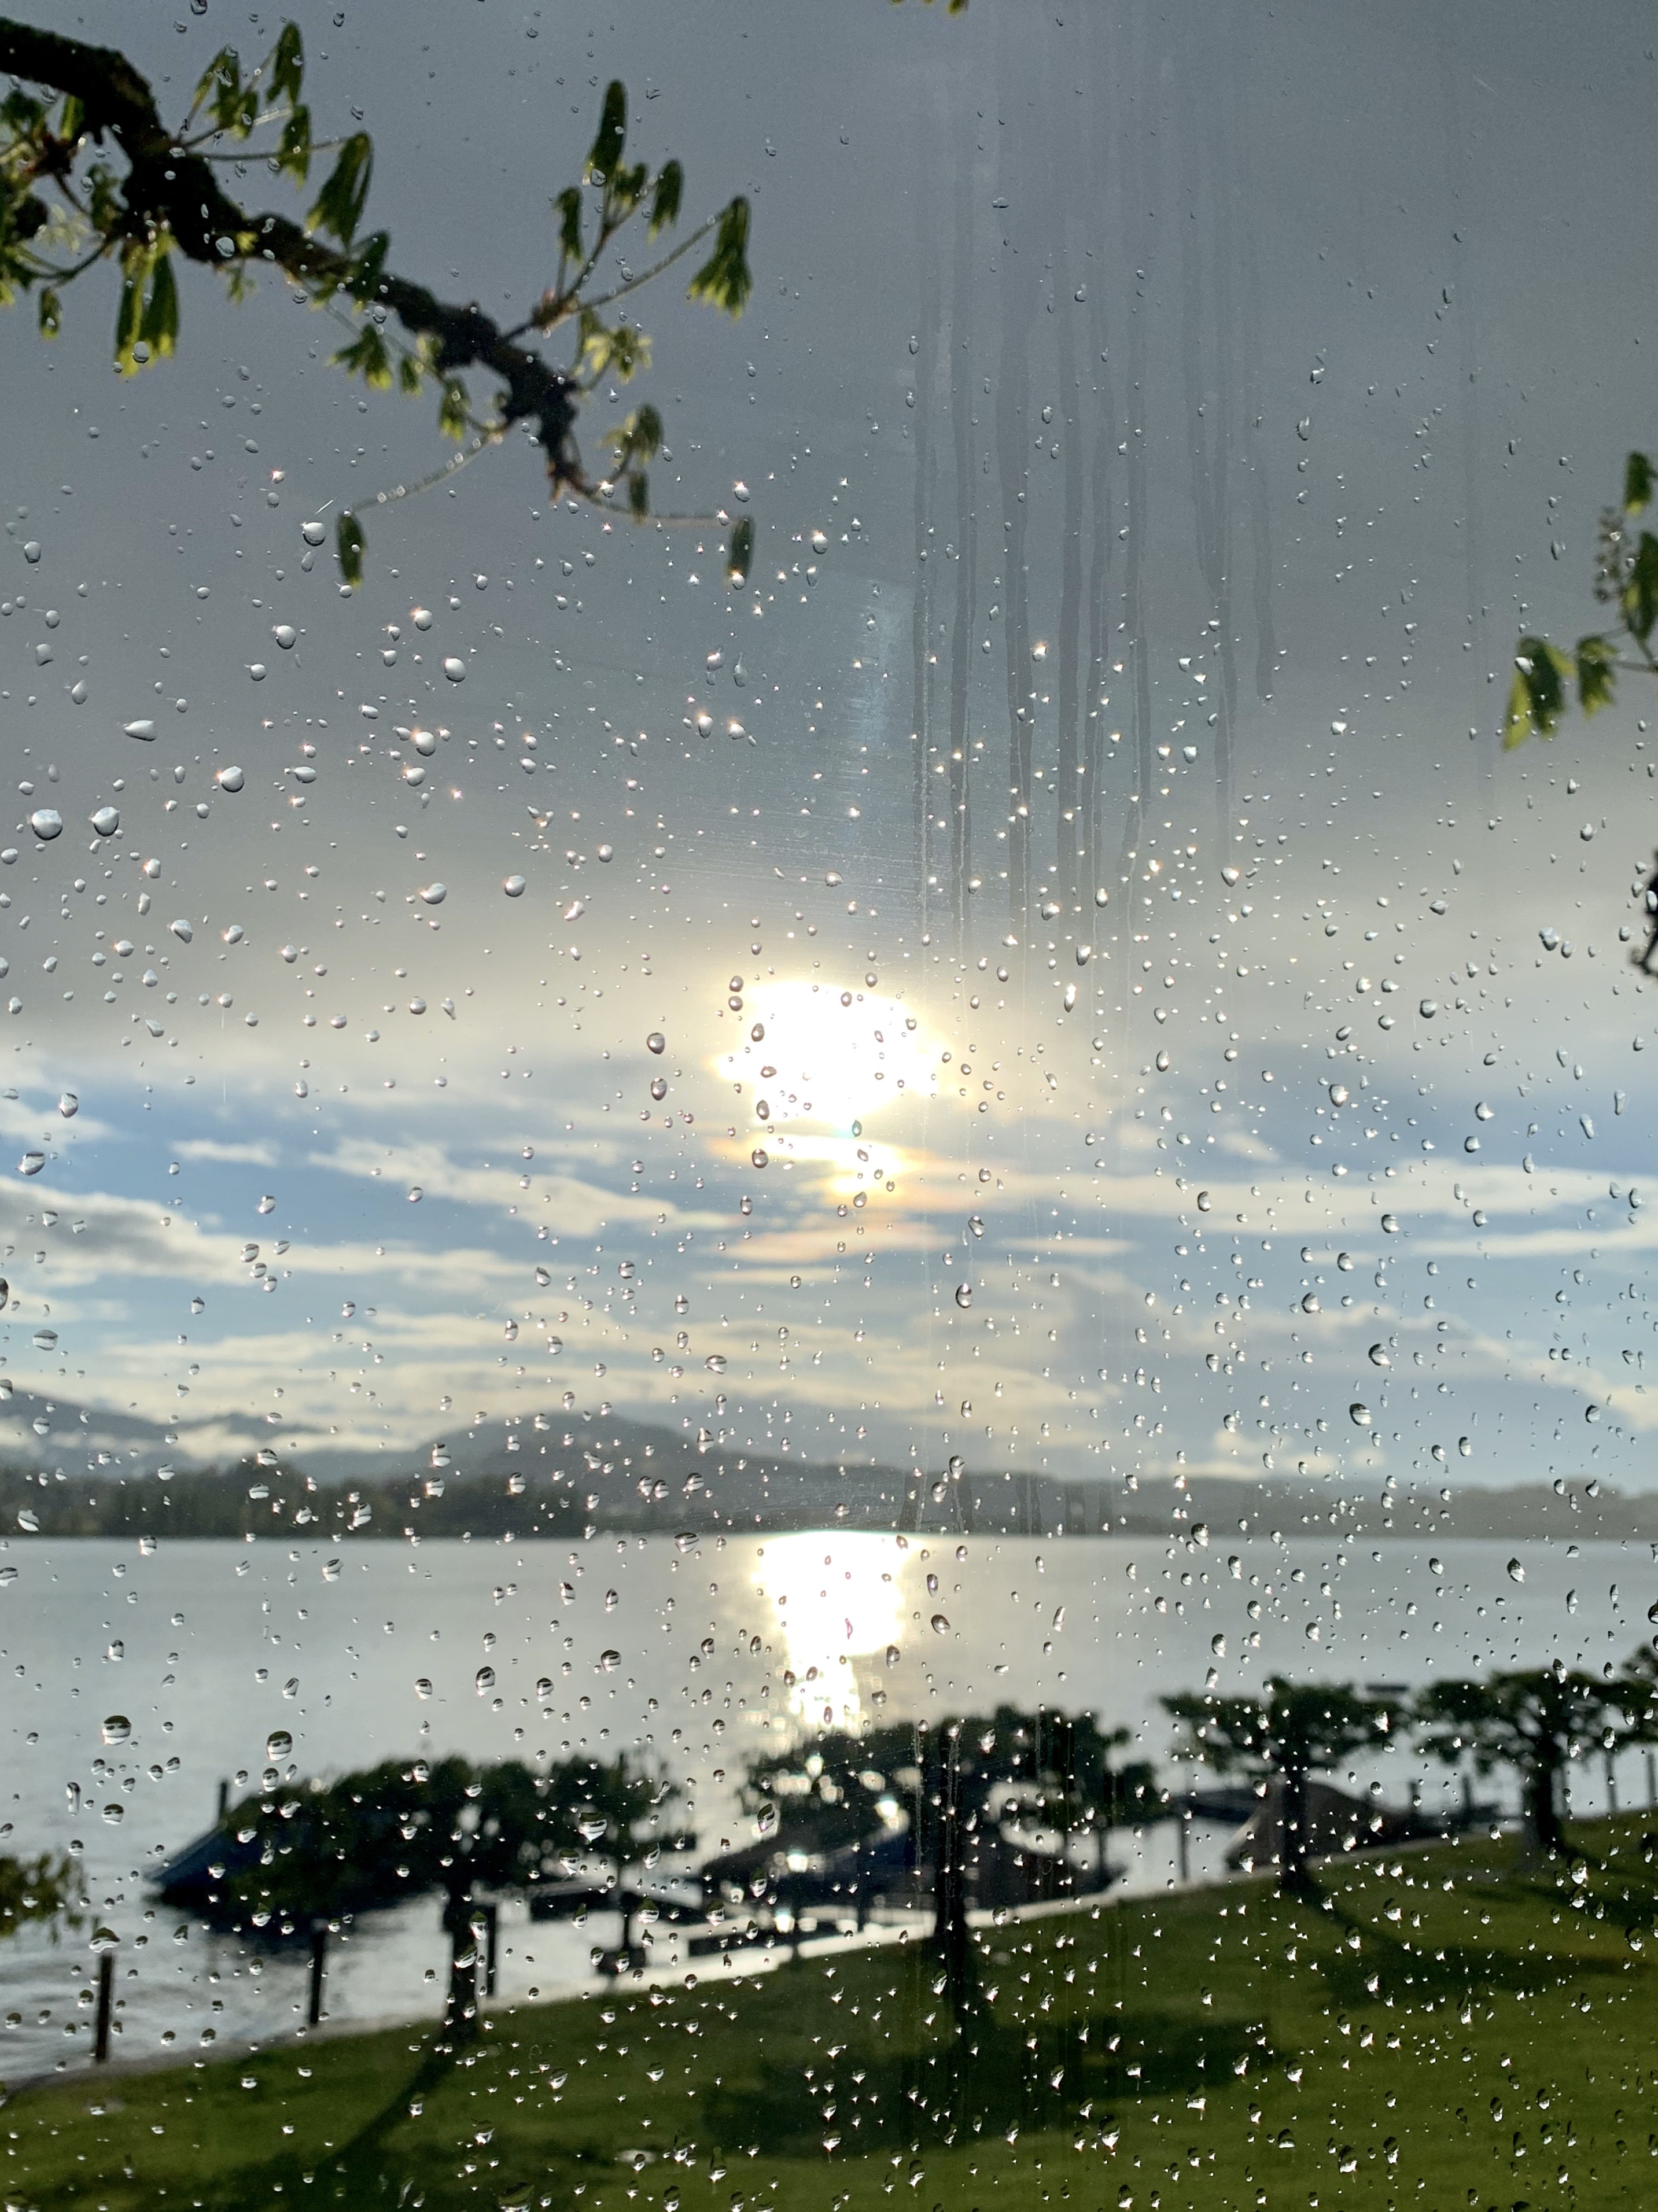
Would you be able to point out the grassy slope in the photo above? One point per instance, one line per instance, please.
(1454, 2032)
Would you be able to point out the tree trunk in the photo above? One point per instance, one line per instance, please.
(1539, 1784)
(1293, 1838)
(461, 2009)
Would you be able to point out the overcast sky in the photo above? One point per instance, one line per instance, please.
(1230, 1060)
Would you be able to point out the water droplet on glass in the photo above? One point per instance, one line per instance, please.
(658, 1087)
(106, 821)
(819, 542)
(484, 1680)
(116, 1728)
(715, 1363)
(230, 778)
(605, 852)
(610, 1661)
(656, 1041)
(421, 617)
(182, 930)
(256, 670)
(1591, 1412)
(1203, 1201)
(1309, 1305)
(1361, 1414)
(68, 1105)
(1379, 1356)
(964, 1295)
(940, 1624)
(422, 1686)
(143, 731)
(32, 551)
(1340, 1094)
(1390, 1224)
(1516, 1572)
(513, 886)
(1428, 1009)
(46, 824)
(278, 1744)
(31, 1164)
(434, 893)
(976, 1225)
(286, 636)
(455, 670)
(313, 533)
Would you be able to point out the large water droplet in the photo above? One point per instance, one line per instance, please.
(1379, 1355)
(106, 821)
(610, 1661)
(46, 824)
(1516, 1572)
(143, 731)
(68, 1105)
(513, 886)
(484, 1680)
(230, 778)
(715, 1363)
(182, 930)
(656, 1041)
(31, 1164)
(278, 1744)
(819, 542)
(1361, 1414)
(116, 1728)
(940, 1624)
(313, 533)
(285, 634)
(455, 670)
(964, 1295)
(434, 893)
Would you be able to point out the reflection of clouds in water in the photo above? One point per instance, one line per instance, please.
(837, 1601)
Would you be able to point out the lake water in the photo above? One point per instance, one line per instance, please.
(199, 1653)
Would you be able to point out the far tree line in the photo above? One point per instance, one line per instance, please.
(297, 1856)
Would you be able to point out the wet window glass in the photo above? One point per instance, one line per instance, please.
(826, 939)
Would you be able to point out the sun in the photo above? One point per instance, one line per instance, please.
(830, 1058)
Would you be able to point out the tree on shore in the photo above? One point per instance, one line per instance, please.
(45, 1891)
(1534, 1720)
(1289, 1733)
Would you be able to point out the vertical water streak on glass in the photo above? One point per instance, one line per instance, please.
(929, 323)
(1138, 174)
(1254, 458)
(1460, 178)
(1019, 273)
(1070, 838)
(1207, 375)
(1098, 125)
(967, 532)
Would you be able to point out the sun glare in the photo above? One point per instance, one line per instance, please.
(816, 1055)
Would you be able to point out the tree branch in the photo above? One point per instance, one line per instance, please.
(171, 188)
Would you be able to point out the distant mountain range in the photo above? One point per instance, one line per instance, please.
(70, 1469)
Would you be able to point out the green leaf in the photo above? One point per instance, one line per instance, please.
(1639, 480)
(665, 203)
(364, 280)
(367, 357)
(51, 313)
(287, 67)
(568, 204)
(294, 154)
(1597, 673)
(724, 280)
(1538, 694)
(612, 135)
(348, 543)
(1640, 597)
(454, 410)
(741, 554)
(160, 326)
(340, 203)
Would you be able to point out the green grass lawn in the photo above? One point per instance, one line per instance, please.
(1441, 2029)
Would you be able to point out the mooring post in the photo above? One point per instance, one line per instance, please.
(319, 1970)
(106, 2005)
